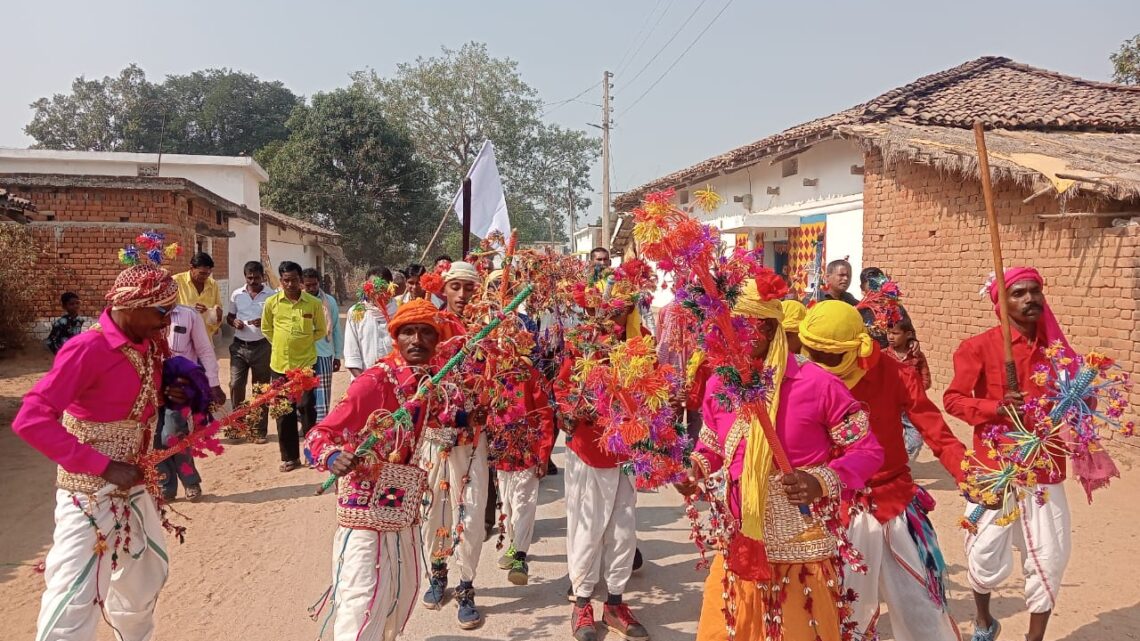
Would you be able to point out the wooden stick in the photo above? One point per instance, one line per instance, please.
(999, 265)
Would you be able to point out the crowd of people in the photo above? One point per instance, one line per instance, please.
(814, 554)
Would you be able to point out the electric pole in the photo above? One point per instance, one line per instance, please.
(573, 216)
(606, 159)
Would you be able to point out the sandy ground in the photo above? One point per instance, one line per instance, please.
(258, 553)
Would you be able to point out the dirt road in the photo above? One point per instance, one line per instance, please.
(258, 553)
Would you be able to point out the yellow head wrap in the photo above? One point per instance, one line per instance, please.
(758, 452)
(834, 327)
(794, 313)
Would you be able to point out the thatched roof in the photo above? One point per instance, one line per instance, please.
(998, 91)
(303, 226)
(1104, 164)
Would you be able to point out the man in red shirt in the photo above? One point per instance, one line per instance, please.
(889, 523)
(977, 395)
(377, 542)
(601, 515)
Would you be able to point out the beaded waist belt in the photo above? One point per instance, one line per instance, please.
(390, 502)
(118, 440)
(445, 437)
(789, 535)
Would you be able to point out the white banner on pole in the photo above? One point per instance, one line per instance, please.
(488, 203)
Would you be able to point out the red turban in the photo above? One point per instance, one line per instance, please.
(416, 312)
(143, 286)
(1049, 325)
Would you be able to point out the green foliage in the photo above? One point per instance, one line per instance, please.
(451, 103)
(212, 112)
(345, 167)
(1126, 62)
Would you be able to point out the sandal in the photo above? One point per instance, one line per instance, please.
(193, 492)
(289, 466)
(261, 440)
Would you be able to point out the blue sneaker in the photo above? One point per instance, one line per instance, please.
(437, 587)
(469, 617)
(989, 634)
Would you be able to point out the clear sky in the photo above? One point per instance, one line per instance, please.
(759, 68)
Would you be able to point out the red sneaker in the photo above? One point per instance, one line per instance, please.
(621, 622)
(582, 623)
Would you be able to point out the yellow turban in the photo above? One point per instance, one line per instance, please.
(794, 313)
(758, 452)
(834, 327)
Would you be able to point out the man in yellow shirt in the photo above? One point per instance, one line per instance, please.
(293, 321)
(198, 289)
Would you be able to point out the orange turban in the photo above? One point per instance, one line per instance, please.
(416, 312)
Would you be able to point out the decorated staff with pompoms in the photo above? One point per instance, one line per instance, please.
(94, 414)
(1028, 437)
(601, 499)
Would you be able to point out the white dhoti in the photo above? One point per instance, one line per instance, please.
(376, 579)
(1043, 532)
(601, 526)
(78, 577)
(519, 493)
(895, 576)
(460, 504)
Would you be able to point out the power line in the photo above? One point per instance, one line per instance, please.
(551, 107)
(667, 43)
(691, 45)
(628, 59)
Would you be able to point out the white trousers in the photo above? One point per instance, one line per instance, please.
(519, 493)
(443, 509)
(895, 576)
(376, 580)
(601, 526)
(1044, 534)
(77, 577)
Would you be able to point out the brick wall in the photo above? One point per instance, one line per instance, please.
(928, 230)
(80, 231)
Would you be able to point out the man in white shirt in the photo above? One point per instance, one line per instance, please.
(188, 338)
(366, 338)
(249, 351)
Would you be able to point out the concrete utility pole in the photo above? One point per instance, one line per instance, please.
(606, 86)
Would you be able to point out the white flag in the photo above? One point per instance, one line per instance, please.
(488, 204)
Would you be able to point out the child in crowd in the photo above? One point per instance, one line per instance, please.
(67, 326)
(902, 344)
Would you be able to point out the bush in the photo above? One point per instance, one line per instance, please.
(21, 284)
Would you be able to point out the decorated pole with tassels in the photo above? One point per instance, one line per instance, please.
(1011, 384)
(404, 415)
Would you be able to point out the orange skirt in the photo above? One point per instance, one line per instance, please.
(808, 608)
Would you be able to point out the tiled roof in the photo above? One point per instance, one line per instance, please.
(1002, 93)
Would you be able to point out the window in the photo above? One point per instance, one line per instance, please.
(683, 197)
(790, 167)
(202, 243)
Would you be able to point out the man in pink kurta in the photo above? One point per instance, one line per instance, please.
(92, 414)
(787, 586)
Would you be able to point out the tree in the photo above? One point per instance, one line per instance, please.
(345, 167)
(214, 112)
(224, 113)
(1126, 62)
(99, 115)
(452, 103)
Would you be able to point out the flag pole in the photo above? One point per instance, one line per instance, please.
(466, 216)
(999, 266)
